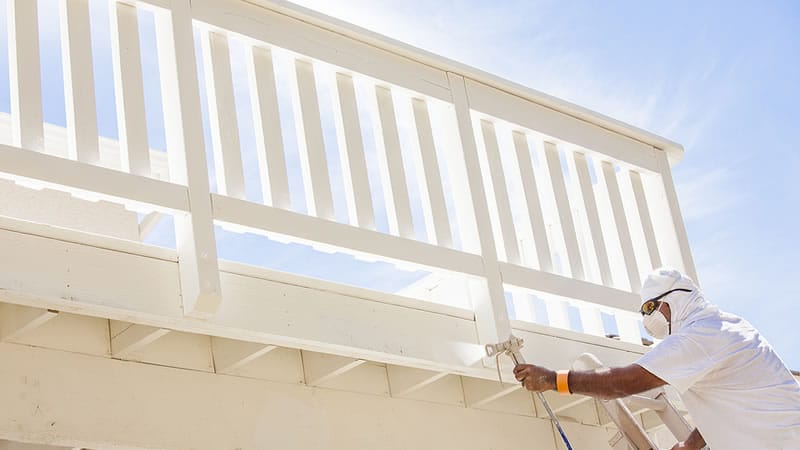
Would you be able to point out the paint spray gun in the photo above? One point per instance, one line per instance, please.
(512, 347)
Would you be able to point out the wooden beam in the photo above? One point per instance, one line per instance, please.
(17, 320)
(135, 338)
(75, 177)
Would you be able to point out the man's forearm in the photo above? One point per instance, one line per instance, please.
(603, 383)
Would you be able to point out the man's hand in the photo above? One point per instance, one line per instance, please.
(535, 378)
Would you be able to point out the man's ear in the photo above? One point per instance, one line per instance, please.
(665, 309)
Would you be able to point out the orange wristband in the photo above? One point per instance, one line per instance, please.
(562, 385)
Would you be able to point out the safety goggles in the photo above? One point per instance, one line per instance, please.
(651, 305)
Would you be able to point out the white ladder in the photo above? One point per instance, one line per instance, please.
(631, 435)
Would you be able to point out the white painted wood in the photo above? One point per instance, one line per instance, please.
(268, 132)
(557, 313)
(622, 226)
(16, 321)
(302, 228)
(321, 43)
(129, 89)
(183, 127)
(488, 297)
(316, 179)
(314, 315)
(564, 210)
(222, 115)
(490, 398)
(434, 207)
(79, 96)
(591, 320)
(505, 398)
(559, 125)
(191, 409)
(75, 177)
(135, 338)
(500, 189)
(351, 151)
(667, 220)
(570, 344)
(231, 355)
(644, 217)
(176, 349)
(148, 224)
(24, 74)
(405, 381)
(595, 229)
(390, 159)
(536, 280)
(315, 378)
(60, 209)
(70, 333)
(523, 306)
(532, 201)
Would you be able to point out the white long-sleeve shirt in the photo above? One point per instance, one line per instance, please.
(737, 390)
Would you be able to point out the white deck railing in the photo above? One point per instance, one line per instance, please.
(518, 192)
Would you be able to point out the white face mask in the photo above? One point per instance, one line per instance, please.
(656, 325)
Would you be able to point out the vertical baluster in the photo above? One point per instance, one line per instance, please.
(644, 216)
(316, 179)
(622, 226)
(24, 70)
(532, 201)
(564, 210)
(594, 218)
(591, 320)
(183, 126)
(433, 204)
(351, 151)
(508, 233)
(129, 89)
(79, 97)
(523, 307)
(267, 121)
(395, 188)
(673, 244)
(222, 115)
(557, 313)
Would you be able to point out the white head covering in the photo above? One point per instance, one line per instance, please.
(685, 307)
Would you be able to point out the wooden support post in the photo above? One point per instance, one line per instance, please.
(488, 295)
(197, 251)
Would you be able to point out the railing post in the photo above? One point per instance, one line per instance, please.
(487, 295)
(194, 232)
(673, 242)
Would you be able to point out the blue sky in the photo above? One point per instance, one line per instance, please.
(722, 80)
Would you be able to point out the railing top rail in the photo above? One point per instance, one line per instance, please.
(673, 149)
